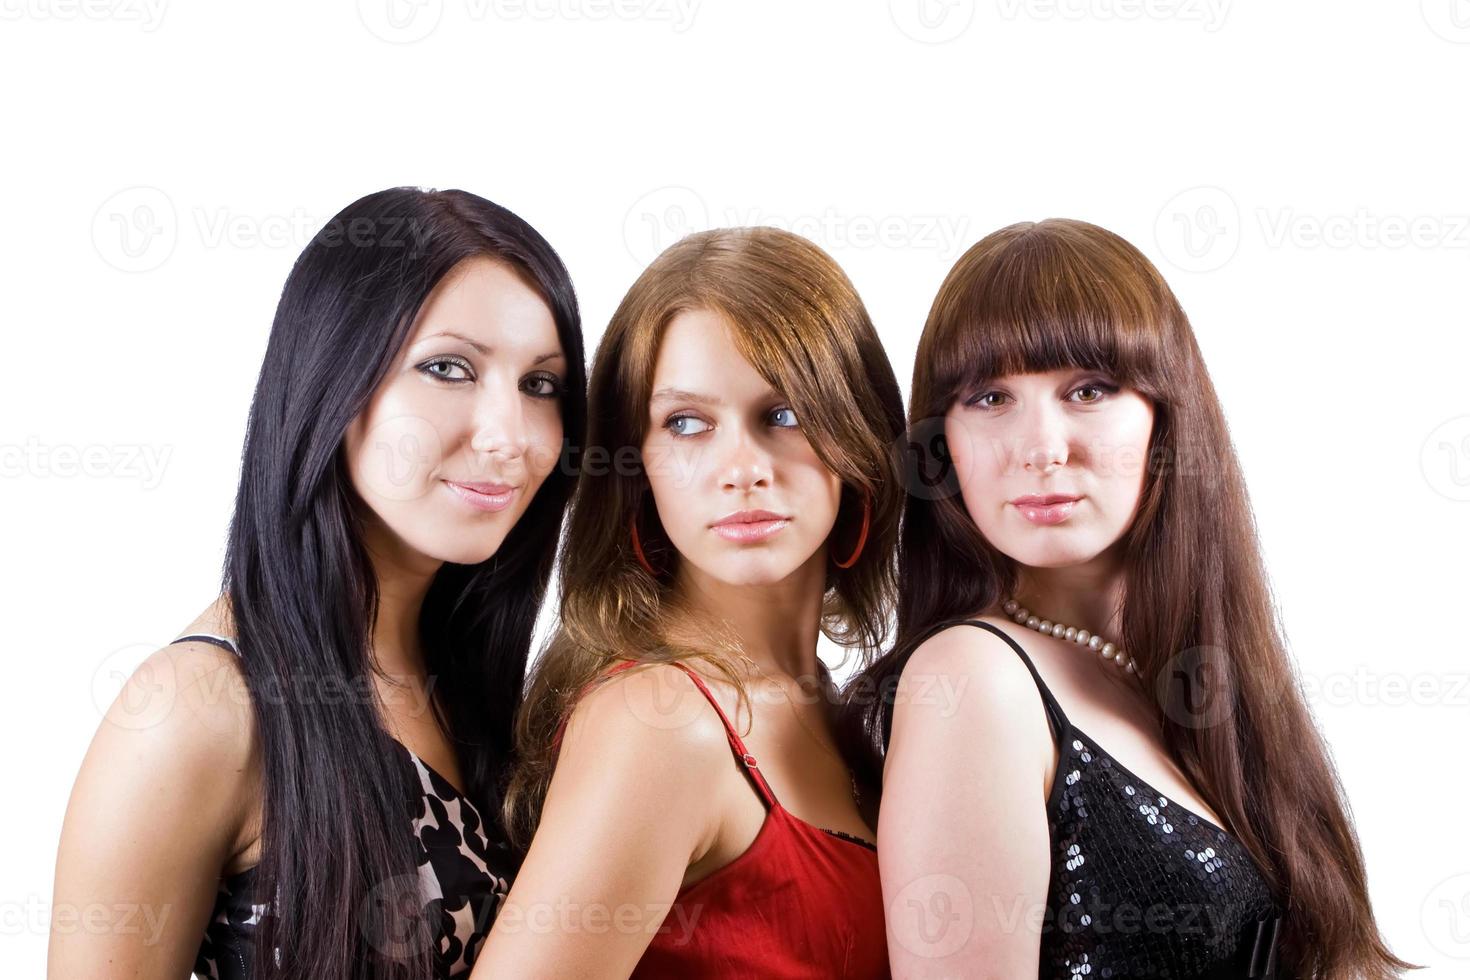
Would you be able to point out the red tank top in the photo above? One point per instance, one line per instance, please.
(800, 903)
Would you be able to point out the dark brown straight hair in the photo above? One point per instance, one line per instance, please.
(800, 323)
(1061, 294)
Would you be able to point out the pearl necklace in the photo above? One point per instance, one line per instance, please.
(1110, 652)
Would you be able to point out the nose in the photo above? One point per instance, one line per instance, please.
(745, 465)
(1046, 445)
(499, 425)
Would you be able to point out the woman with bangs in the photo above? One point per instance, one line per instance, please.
(693, 815)
(1130, 784)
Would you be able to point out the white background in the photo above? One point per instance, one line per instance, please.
(1297, 170)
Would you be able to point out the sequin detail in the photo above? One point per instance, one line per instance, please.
(1140, 886)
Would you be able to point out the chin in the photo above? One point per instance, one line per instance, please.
(459, 551)
(751, 570)
(1056, 555)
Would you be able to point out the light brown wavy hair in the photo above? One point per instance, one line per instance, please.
(1059, 294)
(800, 323)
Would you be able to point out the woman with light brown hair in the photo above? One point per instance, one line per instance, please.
(1140, 791)
(738, 496)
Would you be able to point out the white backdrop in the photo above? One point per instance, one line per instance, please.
(1296, 170)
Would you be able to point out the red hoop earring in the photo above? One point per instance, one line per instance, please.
(638, 547)
(862, 534)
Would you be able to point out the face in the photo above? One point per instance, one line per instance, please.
(467, 424)
(739, 491)
(1051, 465)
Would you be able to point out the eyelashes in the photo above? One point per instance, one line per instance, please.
(554, 388)
(1103, 388)
(673, 420)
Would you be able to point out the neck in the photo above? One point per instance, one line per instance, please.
(777, 623)
(1088, 595)
(403, 576)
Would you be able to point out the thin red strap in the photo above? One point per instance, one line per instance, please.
(746, 759)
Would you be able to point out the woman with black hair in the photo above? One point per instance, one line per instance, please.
(316, 766)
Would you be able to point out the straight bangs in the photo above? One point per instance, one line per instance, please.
(1046, 296)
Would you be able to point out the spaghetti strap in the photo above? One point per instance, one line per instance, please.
(1058, 718)
(746, 759)
(223, 642)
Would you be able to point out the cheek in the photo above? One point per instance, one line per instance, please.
(545, 444)
(975, 461)
(393, 453)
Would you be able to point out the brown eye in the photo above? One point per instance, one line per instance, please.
(545, 385)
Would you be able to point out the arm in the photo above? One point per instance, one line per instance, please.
(154, 814)
(963, 846)
(628, 810)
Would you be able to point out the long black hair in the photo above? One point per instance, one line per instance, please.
(336, 843)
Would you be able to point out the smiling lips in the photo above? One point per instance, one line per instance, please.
(1048, 508)
(484, 496)
(745, 526)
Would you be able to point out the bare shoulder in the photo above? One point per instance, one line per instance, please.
(187, 708)
(650, 708)
(965, 687)
(962, 652)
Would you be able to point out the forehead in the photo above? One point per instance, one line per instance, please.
(487, 301)
(698, 353)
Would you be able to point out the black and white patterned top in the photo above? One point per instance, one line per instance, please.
(465, 869)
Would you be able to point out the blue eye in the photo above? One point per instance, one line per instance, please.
(785, 411)
(674, 422)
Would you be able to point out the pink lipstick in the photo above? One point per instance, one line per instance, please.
(1046, 509)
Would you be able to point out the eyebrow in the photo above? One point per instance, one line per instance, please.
(486, 351)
